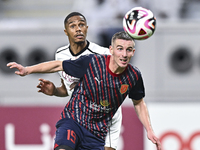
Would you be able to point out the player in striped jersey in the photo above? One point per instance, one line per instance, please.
(105, 81)
(72, 51)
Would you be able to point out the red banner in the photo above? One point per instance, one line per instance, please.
(33, 128)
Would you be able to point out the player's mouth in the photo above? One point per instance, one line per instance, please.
(124, 61)
(79, 36)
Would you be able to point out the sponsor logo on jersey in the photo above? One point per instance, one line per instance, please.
(124, 88)
(99, 108)
(104, 103)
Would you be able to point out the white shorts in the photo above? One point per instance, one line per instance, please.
(114, 130)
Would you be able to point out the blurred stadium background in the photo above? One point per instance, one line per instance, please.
(31, 31)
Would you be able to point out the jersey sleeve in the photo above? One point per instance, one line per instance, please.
(138, 91)
(77, 67)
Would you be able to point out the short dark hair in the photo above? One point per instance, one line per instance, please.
(73, 14)
(121, 35)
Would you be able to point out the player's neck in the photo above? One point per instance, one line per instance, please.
(114, 67)
(77, 47)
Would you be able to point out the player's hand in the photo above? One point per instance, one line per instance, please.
(72, 86)
(151, 136)
(46, 87)
(22, 71)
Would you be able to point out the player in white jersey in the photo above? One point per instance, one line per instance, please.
(68, 81)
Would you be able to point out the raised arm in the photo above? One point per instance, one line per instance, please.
(46, 67)
(143, 115)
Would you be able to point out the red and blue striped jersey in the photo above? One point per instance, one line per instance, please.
(100, 92)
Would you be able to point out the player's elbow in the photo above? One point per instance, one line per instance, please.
(58, 66)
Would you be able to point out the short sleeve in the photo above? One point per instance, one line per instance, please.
(77, 67)
(138, 91)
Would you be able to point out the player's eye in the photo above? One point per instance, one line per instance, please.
(119, 48)
(72, 26)
(129, 50)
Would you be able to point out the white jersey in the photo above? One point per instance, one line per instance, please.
(64, 53)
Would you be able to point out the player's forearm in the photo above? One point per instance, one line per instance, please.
(143, 115)
(46, 67)
(60, 92)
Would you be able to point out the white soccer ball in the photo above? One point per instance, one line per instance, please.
(139, 23)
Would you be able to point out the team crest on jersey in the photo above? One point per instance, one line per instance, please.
(124, 88)
(104, 103)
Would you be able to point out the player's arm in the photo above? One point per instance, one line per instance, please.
(47, 87)
(46, 67)
(75, 68)
(143, 115)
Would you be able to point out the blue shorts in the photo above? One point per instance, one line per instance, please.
(71, 134)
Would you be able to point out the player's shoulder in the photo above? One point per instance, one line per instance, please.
(134, 69)
(99, 57)
(62, 49)
(95, 48)
(62, 53)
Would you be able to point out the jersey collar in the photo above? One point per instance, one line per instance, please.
(84, 49)
(107, 66)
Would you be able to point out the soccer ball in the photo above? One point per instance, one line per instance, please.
(139, 23)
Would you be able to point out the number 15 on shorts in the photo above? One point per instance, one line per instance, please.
(71, 135)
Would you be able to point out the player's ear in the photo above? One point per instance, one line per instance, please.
(86, 29)
(133, 52)
(111, 49)
(66, 32)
